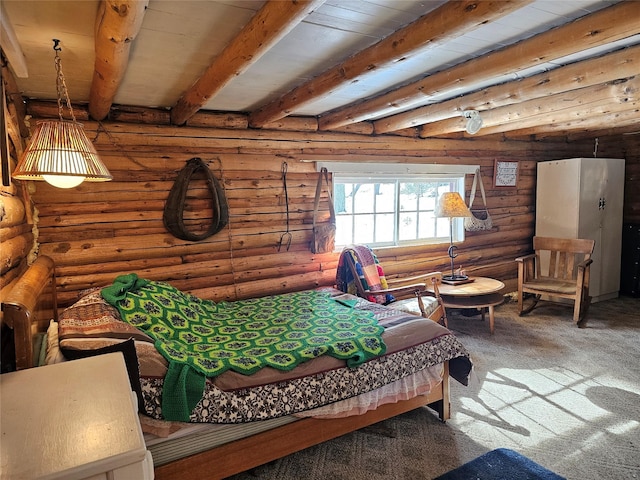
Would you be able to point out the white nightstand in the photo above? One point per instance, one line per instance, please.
(73, 420)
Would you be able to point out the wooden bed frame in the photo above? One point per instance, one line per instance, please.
(20, 308)
(234, 457)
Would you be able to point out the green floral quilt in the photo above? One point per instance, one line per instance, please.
(200, 338)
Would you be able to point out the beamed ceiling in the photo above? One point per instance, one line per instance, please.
(541, 68)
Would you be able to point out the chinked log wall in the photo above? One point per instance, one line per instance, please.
(16, 236)
(99, 230)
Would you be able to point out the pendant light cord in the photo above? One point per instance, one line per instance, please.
(61, 84)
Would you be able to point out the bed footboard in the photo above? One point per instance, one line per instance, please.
(244, 454)
(19, 308)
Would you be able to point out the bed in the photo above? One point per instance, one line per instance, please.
(245, 433)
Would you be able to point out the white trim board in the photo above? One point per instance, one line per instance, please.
(362, 169)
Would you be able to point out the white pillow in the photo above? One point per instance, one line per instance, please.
(54, 355)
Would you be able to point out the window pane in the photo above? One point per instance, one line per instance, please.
(426, 225)
(408, 225)
(428, 201)
(363, 229)
(384, 228)
(347, 204)
(363, 198)
(340, 196)
(408, 197)
(386, 198)
(344, 229)
(442, 227)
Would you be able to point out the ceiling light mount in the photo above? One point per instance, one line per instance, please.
(474, 121)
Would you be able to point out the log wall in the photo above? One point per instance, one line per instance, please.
(16, 215)
(631, 147)
(97, 231)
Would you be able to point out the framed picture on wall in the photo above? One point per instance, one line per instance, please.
(505, 174)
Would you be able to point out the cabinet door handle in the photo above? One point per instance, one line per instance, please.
(601, 204)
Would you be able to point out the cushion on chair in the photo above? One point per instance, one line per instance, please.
(552, 285)
(410, 305)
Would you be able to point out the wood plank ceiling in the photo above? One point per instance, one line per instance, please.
(529, 67)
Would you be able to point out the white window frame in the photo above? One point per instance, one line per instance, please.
(385, 172)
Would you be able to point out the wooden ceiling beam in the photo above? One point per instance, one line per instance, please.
(11, 46)
(117, 25)
(619, 64)
(432, 29)
(624, 121)
(585, 104)
(587, 109)
(272, 22)
(629, 129)
(604, 26)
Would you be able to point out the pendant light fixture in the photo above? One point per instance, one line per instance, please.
(60, 152)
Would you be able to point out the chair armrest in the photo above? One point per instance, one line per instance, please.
(413, 288)
(525, 258)
(585, 263)
(526, 268)
(417, 278)
(582, 279)
(426, 280)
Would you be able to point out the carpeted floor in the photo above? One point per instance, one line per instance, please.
(567, 398)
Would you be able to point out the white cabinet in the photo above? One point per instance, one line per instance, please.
(583, 198)
(72, 420)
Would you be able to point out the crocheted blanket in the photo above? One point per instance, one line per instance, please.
(200, 338)
(369, 271)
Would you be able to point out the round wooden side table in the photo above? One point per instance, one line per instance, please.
(481, 292)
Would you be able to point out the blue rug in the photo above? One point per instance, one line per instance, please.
(501, 464)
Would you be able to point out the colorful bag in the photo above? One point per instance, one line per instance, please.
(480, 219)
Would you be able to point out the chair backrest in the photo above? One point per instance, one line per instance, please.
(359, 272)
(558, 257)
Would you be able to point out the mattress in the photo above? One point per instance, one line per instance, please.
(414, 345)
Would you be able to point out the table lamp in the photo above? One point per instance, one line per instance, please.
(451, 205)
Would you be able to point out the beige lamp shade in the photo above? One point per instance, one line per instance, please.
(451, 204)
(61, 154)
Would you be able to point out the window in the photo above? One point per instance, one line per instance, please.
(387, 208)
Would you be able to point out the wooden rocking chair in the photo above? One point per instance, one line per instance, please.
(409, 294)
(559, 268)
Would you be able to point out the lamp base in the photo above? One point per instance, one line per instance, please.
(456, 279)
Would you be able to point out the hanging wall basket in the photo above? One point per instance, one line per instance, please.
(173, 216)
